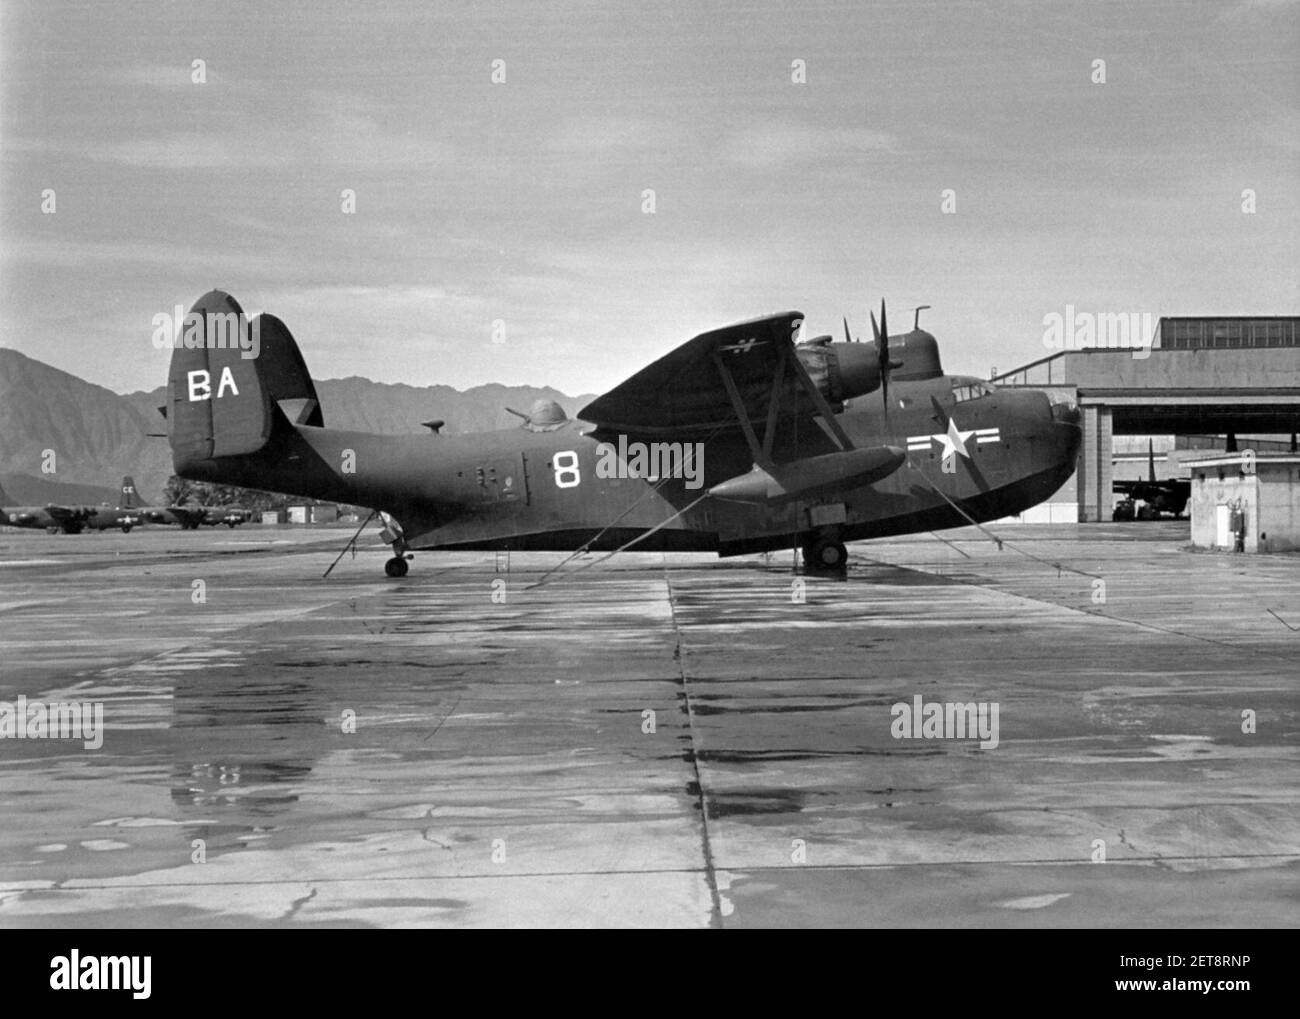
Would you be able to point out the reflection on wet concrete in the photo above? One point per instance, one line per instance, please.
(664, 740)
(215, 772)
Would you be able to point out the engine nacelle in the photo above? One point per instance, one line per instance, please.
(840, 370)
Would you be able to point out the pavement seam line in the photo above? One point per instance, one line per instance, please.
(710, 873)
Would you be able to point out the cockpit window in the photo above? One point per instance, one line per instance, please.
(970, 390)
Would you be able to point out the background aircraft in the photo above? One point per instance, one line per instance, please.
(68, 519)
(123, 515)
(1168, 496)
(783, 450)
(188, 516)
(104, 517)
(52, 517)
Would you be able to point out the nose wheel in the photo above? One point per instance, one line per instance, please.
(397, 566)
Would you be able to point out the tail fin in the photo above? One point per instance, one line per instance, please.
(284, 373)
(130, 497)
(231, 381)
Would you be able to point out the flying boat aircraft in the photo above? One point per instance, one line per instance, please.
(740, 440)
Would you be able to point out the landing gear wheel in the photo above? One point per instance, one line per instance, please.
(826, 554)
(126, 528)
(396, 567)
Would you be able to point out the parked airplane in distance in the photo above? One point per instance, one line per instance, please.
(189, 516)
(1167, 496)
(51, 517)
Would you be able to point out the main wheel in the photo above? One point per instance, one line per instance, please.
(827, 554)
(126, 528)
(396, 567)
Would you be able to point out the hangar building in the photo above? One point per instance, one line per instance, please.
(1199, 376)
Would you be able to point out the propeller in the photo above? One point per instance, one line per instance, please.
(881, 334)
(882, 346)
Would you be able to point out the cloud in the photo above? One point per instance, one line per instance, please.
(332, 128)
(593, 135)
(1245, 7)
(196, 259)
(773, 145)
(190, 150)
(1283, 131)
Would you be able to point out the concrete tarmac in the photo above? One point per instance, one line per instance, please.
(665, 740)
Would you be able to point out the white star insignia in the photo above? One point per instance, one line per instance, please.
(954, 441)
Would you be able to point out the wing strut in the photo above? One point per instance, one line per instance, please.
(815, 394)
(738, 405)
(763, 452)
(769, 430)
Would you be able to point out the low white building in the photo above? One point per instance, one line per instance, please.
(1257, 492)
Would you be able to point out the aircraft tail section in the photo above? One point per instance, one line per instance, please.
(284, 373)
(130, 498)
(231, 381)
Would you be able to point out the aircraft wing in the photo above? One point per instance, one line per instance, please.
(188, 514)
(685, 393)
(69, 514)
(1136, 488)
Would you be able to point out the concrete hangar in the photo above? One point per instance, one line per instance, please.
(1200, 376)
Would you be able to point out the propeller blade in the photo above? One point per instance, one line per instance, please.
(884, 357)
(875, 329)
(847, 337)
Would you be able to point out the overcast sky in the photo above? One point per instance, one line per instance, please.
(522, 201)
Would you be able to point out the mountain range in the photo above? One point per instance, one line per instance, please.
(96, 435)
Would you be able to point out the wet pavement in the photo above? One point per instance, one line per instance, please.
(657, 740)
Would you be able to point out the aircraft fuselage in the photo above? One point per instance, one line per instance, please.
(550, 489)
